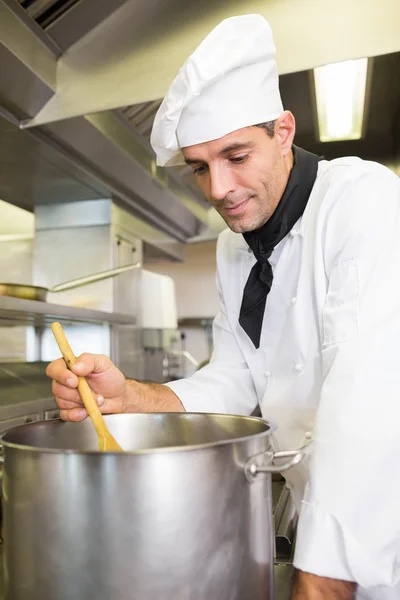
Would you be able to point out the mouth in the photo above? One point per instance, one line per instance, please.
(238, 208)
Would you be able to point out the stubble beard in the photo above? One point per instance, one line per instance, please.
(246, 224)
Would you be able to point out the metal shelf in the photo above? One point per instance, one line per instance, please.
(17, 310)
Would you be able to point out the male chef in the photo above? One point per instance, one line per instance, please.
(309, 320)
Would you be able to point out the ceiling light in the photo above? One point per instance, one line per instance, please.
(340, 93)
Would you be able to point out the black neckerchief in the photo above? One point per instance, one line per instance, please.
(262, 241)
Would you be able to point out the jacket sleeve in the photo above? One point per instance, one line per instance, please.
(349, 526)
(225, 385)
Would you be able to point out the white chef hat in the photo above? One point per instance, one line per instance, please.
(229, 82)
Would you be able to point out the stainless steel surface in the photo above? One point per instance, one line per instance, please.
(33, 292)
(284, 552)
(85, 280)
(75, 23)
(124, 45)
(103, 317)
(24, 389)
(283, 574)
(62, 251)
(84, 213)
(25, 41)
(105, 138)
(174, 516)
(47, 11)
(280, 505)
(285, 518)
(75, 239)
(104, 212)
(16, 79)
(156, 241)
(54, 173)
(75, 161)
(24, 335)
(265, 463)
(14, 310)
(115, 127)
(163, 359)
(160, 339)
(141, 117)
(126, 351)
(28, 61)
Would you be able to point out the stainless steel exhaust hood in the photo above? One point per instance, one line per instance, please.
(133, 54)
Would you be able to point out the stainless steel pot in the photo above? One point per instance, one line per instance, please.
(184, 514)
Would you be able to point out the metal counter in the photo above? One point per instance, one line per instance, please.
(32, 311)
(25, 394)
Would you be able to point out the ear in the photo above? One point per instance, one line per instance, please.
(285, 128)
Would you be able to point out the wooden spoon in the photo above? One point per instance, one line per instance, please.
(106, 440)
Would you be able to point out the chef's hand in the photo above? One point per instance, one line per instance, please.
(114, 393)
(106, 381)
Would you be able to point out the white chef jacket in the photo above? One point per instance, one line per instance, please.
(329, 364)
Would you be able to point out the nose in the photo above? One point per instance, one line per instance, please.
(221, 182)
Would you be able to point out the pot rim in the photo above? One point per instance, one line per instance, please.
(145, 451)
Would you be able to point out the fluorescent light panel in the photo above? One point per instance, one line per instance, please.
(340, 92)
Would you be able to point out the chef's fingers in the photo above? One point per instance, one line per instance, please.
(65, 403)
(95, 364)
(70, 411)
(58, 371)
(76, 414)
(65, 393)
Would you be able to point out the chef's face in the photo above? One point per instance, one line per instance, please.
(244, 174)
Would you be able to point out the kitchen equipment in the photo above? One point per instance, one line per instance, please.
(105, 439)
(34, 292)
(184, 513)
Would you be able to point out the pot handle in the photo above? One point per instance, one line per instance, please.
(256, 464)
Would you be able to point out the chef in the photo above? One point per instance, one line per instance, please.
(309, 320)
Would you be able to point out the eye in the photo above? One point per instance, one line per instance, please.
(200, 170)
(238, 160)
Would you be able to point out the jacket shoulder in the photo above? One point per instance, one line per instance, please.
(348, 186)
(353, 169)
(355, 206)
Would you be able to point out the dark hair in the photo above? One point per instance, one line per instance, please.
(269, 128)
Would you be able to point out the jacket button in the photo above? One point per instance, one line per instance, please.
(267, 373)
(299, 367)
(294, 232)
(293, 300)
